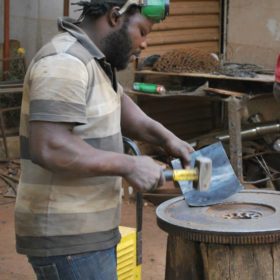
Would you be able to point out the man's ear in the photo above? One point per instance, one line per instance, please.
(114, 16)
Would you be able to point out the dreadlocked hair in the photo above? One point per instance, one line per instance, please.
(97, 8)
(92, 9)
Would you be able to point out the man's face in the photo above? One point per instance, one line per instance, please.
(126, 43)
(117, 47)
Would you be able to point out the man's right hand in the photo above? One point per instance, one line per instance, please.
(145, 174)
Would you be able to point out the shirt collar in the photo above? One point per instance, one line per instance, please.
(68, 24)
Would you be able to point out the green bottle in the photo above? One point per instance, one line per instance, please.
(149, 88)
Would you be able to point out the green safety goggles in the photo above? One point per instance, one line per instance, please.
(155, 10)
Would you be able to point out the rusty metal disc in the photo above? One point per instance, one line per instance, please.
(248, 217)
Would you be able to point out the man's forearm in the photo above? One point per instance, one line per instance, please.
(54, 147)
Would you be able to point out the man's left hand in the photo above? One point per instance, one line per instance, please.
(178, 148)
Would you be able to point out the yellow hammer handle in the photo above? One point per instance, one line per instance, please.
(181, 175)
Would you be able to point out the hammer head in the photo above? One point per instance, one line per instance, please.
(204, 171)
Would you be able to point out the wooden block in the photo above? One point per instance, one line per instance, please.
(204, 167)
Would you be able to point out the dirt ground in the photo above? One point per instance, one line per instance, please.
(15, 267)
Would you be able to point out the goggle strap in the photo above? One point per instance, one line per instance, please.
(129, 3)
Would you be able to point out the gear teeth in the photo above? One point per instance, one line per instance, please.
(218, 238)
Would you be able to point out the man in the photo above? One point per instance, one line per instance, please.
(73, 117)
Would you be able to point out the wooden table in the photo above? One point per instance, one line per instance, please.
(247, 87)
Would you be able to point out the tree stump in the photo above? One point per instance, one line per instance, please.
(188, 260)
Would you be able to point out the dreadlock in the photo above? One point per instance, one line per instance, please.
(97, 8)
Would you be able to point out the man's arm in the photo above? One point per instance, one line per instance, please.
(137, 125)
(54, 147)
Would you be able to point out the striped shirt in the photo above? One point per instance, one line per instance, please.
(69, 81)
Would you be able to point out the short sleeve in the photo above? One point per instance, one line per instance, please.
(58, 89)
(120, 90)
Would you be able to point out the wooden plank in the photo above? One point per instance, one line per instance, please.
(218, 259)
(225, 92)
(185, 102)
(197, 117)
(186, 121)
(194, 7)
(183, 260)
(181, 112)
(250, 262)
(258, 78)
(187, 128)
(235, 144)
(210, 46)
(187, 21)
(183, 36)
(10, 84)
(193, 23)
(240, 262)
(188, 112)
(135, 94)
(276, 256)
(11, 90)
(191, 124)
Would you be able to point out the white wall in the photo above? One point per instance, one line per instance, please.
(253, 31)
(33, 22)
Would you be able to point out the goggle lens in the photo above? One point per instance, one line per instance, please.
(156, 10)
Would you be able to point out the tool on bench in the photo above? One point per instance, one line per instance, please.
(200, 174)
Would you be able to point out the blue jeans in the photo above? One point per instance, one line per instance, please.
(97, 265)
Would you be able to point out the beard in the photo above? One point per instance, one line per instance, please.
(117, 47)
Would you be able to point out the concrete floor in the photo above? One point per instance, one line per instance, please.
(15, 267)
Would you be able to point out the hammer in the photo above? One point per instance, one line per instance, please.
(200, 174)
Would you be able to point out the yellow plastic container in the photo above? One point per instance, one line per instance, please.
(127, 268)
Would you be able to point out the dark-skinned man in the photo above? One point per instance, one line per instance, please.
(74, 114)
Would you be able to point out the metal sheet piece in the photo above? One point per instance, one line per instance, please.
(224, 182)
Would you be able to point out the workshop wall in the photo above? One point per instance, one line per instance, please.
(33, 22)
(192, 23)
(253, 27)
(253, 32)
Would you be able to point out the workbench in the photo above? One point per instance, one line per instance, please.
(233, 91)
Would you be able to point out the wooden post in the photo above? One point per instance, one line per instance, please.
(6, 49)
(66, 8)
(235, 141)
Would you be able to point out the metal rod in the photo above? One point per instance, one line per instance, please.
(255, 132)
(251, 133)
(139, 221)
(66, 8)
(6, 49)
